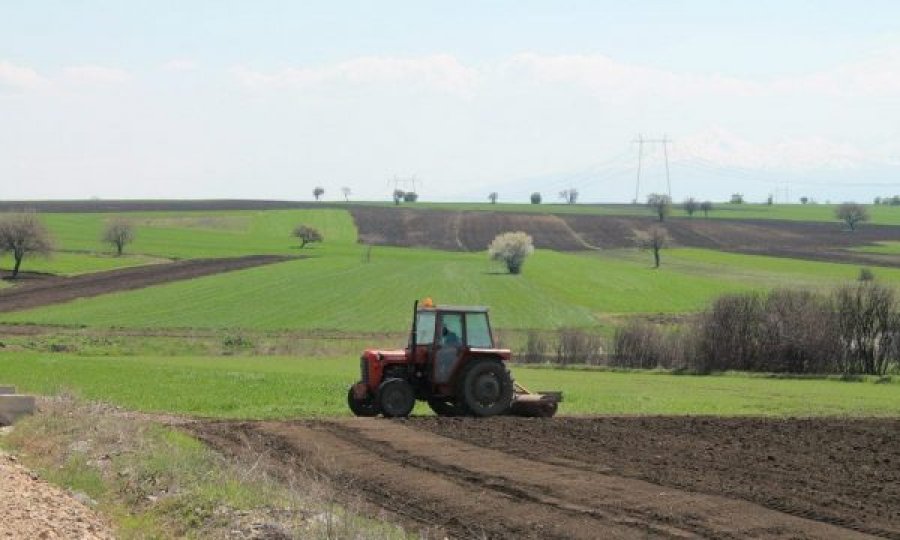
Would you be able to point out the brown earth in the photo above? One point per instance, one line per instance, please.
(598, 477)
(56, 289)
(473, 231)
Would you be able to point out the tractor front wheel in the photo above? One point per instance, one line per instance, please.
(396, 398)
(361, 407)
(486, 388)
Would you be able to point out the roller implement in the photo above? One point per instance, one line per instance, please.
(451, 362)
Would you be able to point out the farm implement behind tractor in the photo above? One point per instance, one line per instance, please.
(451, 362)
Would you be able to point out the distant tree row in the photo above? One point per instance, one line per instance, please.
(890, 201)
(405, 196)
(319, 191)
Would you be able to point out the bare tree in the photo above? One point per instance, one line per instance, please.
(21, 235)
(410, 196)
(691, 206)
(318, 191)
(512, 248)
(654, 240)
(570, 196)
(852, 213)
(118, 233)
(307, 235)
(660, 204)
(347, 192)
(493, 197)
(706, 207)
(398, 196)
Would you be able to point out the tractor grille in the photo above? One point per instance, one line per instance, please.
(363, 369)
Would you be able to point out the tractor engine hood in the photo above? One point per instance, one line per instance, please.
(395, 355)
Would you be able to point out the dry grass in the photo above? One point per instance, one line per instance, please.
(156, 481)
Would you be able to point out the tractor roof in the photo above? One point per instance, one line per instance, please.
(478, 309)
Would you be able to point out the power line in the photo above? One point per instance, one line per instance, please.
(665, 142)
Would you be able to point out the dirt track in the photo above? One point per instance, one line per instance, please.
(599, 477)
(473, 231)
(53, 290)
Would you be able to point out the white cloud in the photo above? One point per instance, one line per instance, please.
(878, 75)
(179, 64)
(721, 148)
(19, 77)
(442, 72)
(95, 75)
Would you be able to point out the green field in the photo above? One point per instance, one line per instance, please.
(70, 264)
(880, 214)
(183, 235)
(335, 290)
(286, 387)
(884, 248)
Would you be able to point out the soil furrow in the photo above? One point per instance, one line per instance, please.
(465, 489)
(55, 290)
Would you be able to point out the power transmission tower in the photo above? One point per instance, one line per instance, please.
(665, 142)
(406, 183)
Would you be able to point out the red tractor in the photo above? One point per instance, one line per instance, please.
(452, 363)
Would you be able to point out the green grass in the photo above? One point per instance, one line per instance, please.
(202, 234)
(70, 264)
(769, 271)
(880, 214)
(283, 387)
(335, 290)
(884, 248)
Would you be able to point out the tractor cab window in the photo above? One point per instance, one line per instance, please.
(425, 328)
(451, 330)
(479, 333)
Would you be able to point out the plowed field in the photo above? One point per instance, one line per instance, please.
(473, 231)
(598, 477)
(41, 291)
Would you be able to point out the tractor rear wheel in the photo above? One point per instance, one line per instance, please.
(485, 387)
(396, 398)
(361, 407)
(444, 407)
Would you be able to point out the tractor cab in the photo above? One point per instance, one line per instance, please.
(452, 362)
(445, 336)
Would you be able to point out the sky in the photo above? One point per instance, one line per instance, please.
(267, 100)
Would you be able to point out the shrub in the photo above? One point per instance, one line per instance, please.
(865, 274)
(574, 346)
(535, 198)
(640, 344)
(512, 248)
(307, 235)
(23, 234)
(536, 348)
(852, 214)
(653, 240)
(569, 196)
(690, 206)
(869, 327)
(660, 204)
(118, 233)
